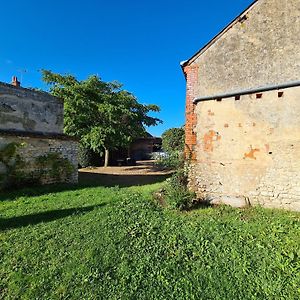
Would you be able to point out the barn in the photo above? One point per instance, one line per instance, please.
(243, 110)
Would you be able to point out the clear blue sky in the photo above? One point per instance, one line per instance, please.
(139, 43)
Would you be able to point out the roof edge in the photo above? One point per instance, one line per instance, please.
(219, 35)
(32, 91)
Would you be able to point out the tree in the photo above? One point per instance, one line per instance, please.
(101, 114)
(173, 140)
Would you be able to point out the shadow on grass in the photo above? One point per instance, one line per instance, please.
(109, 180)
(197, 205)
(43, 217)
(86, 180)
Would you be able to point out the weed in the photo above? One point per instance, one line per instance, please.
(177, 194)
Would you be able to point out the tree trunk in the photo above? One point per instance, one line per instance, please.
(106, 158)
(128, 152)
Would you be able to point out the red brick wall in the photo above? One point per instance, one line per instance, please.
(191, 74)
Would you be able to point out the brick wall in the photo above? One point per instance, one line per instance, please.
(191, 74)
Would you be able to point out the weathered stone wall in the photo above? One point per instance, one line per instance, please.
(261, 49)
(37, 146)
(30, 111)
(250, 149)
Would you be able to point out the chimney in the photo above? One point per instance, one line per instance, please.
(15, 81)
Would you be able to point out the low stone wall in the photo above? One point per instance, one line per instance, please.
(248, 149)
(37, 148)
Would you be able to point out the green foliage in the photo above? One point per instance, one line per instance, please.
(173, 160)
(177, 194)
(87, 157)
(13, 164)
(54, 166)
(173, 145)
(173, 140)
(15, 174)
(84, 157)
(110, 243)
(101, 114)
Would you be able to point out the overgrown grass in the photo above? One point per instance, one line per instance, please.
(110, 243)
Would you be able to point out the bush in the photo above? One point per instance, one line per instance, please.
(84, 157)
(88, 158)
(173, 147)
(173, 160)
(173, 139)
(177, 194)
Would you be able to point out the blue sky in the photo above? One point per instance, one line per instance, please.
(138, 43)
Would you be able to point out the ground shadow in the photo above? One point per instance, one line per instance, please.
(199, 204)
(43, 217)
(109, 180)
(148, 168)
(86, 179)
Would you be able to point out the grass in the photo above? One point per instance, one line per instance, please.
(113, 243)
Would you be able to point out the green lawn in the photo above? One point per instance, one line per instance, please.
(111, 243)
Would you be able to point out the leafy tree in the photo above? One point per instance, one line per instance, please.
(101, 114)
(173, 144)
(173, 140)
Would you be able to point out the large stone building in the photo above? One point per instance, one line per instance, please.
(32, 144)
(243, 109)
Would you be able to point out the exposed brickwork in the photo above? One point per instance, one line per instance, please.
(191, 74)
(15, 81)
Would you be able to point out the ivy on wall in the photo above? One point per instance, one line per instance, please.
(54, 166)
(49, 168)
(12, 165)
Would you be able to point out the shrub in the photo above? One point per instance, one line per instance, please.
(173, 139)
(88, 158)
(84, 157)
(177, 194)
(173, 160)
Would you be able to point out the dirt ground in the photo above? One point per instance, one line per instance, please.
(144, 172)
